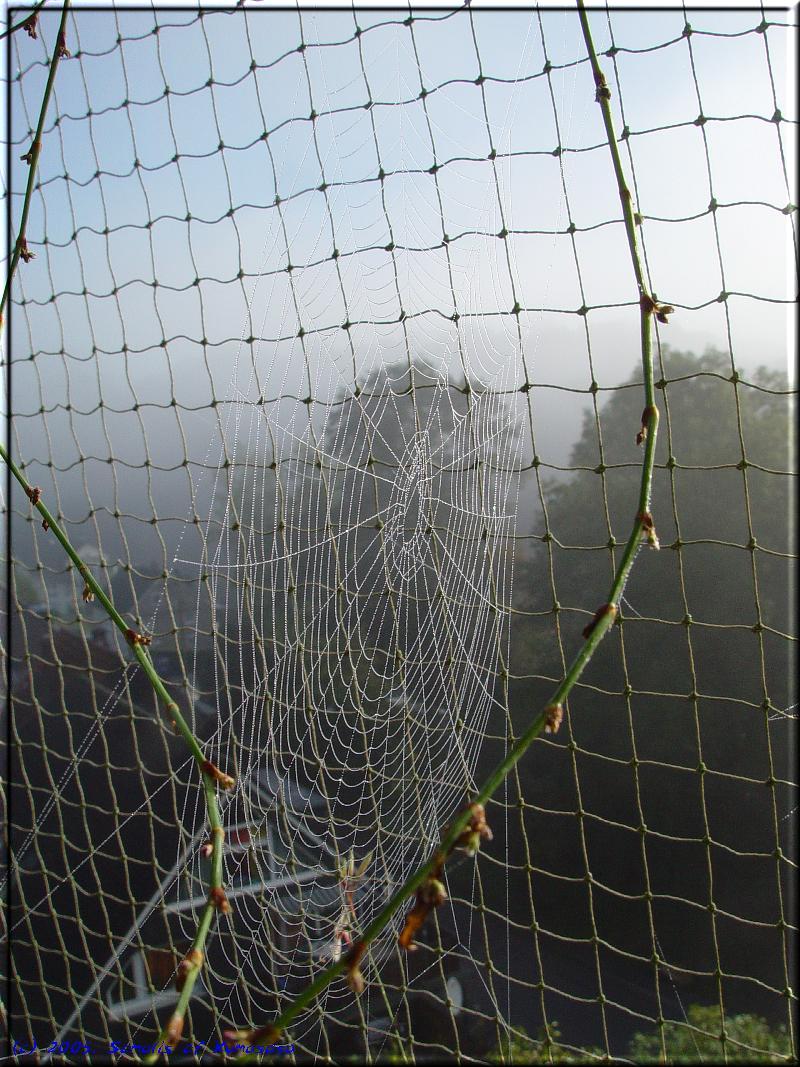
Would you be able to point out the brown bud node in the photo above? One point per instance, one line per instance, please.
(219, 900)
(353, 975)
(224, 780)
(45, 525)
(433, 892)
(174, 1029)
(429, 896)
(650, 412)
(414, 920)
(24, 252)
(207, 849)
(34, 494)
(553, 714)
(602, 611)
(603, 91)
(133, 638)
(648, 529)
(476, 828)
(61, 46)
(192, 961)
(650, 307)
(88, 595)
(29, 25)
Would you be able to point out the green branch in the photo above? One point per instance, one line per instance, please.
(643, 530)
(29, 22)
(209, 774)
(32, 159)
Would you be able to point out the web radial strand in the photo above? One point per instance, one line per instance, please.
(361, 554)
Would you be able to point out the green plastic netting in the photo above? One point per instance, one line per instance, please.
(329, 364)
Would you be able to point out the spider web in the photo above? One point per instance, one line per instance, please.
(360, 728)
(359, 541)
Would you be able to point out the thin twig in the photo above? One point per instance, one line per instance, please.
(32, 157)
(643, 530)
(209, 774)
(29, 20)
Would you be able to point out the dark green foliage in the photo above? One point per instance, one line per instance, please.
(673, 743)
(519, 1048)
(748, 1039)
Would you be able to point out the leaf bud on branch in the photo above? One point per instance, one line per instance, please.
(207, 849)
(602, 611)
(61, 46)
(602, 90)
(650, 412)
(430, 895)
(553, 714)
(219, 900)
(648, 529)
(225, 780)
(133, 638)
(353, 975)
(174, 1029)
(661, 311)
(476, 828)
(192, 961)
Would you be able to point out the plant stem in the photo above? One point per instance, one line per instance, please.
(603, 98)
(18, 26)
(603, 621)
(208, 774)
(35, 149)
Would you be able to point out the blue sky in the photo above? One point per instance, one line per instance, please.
(151, 255)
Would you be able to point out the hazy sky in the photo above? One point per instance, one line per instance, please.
(121, 260)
